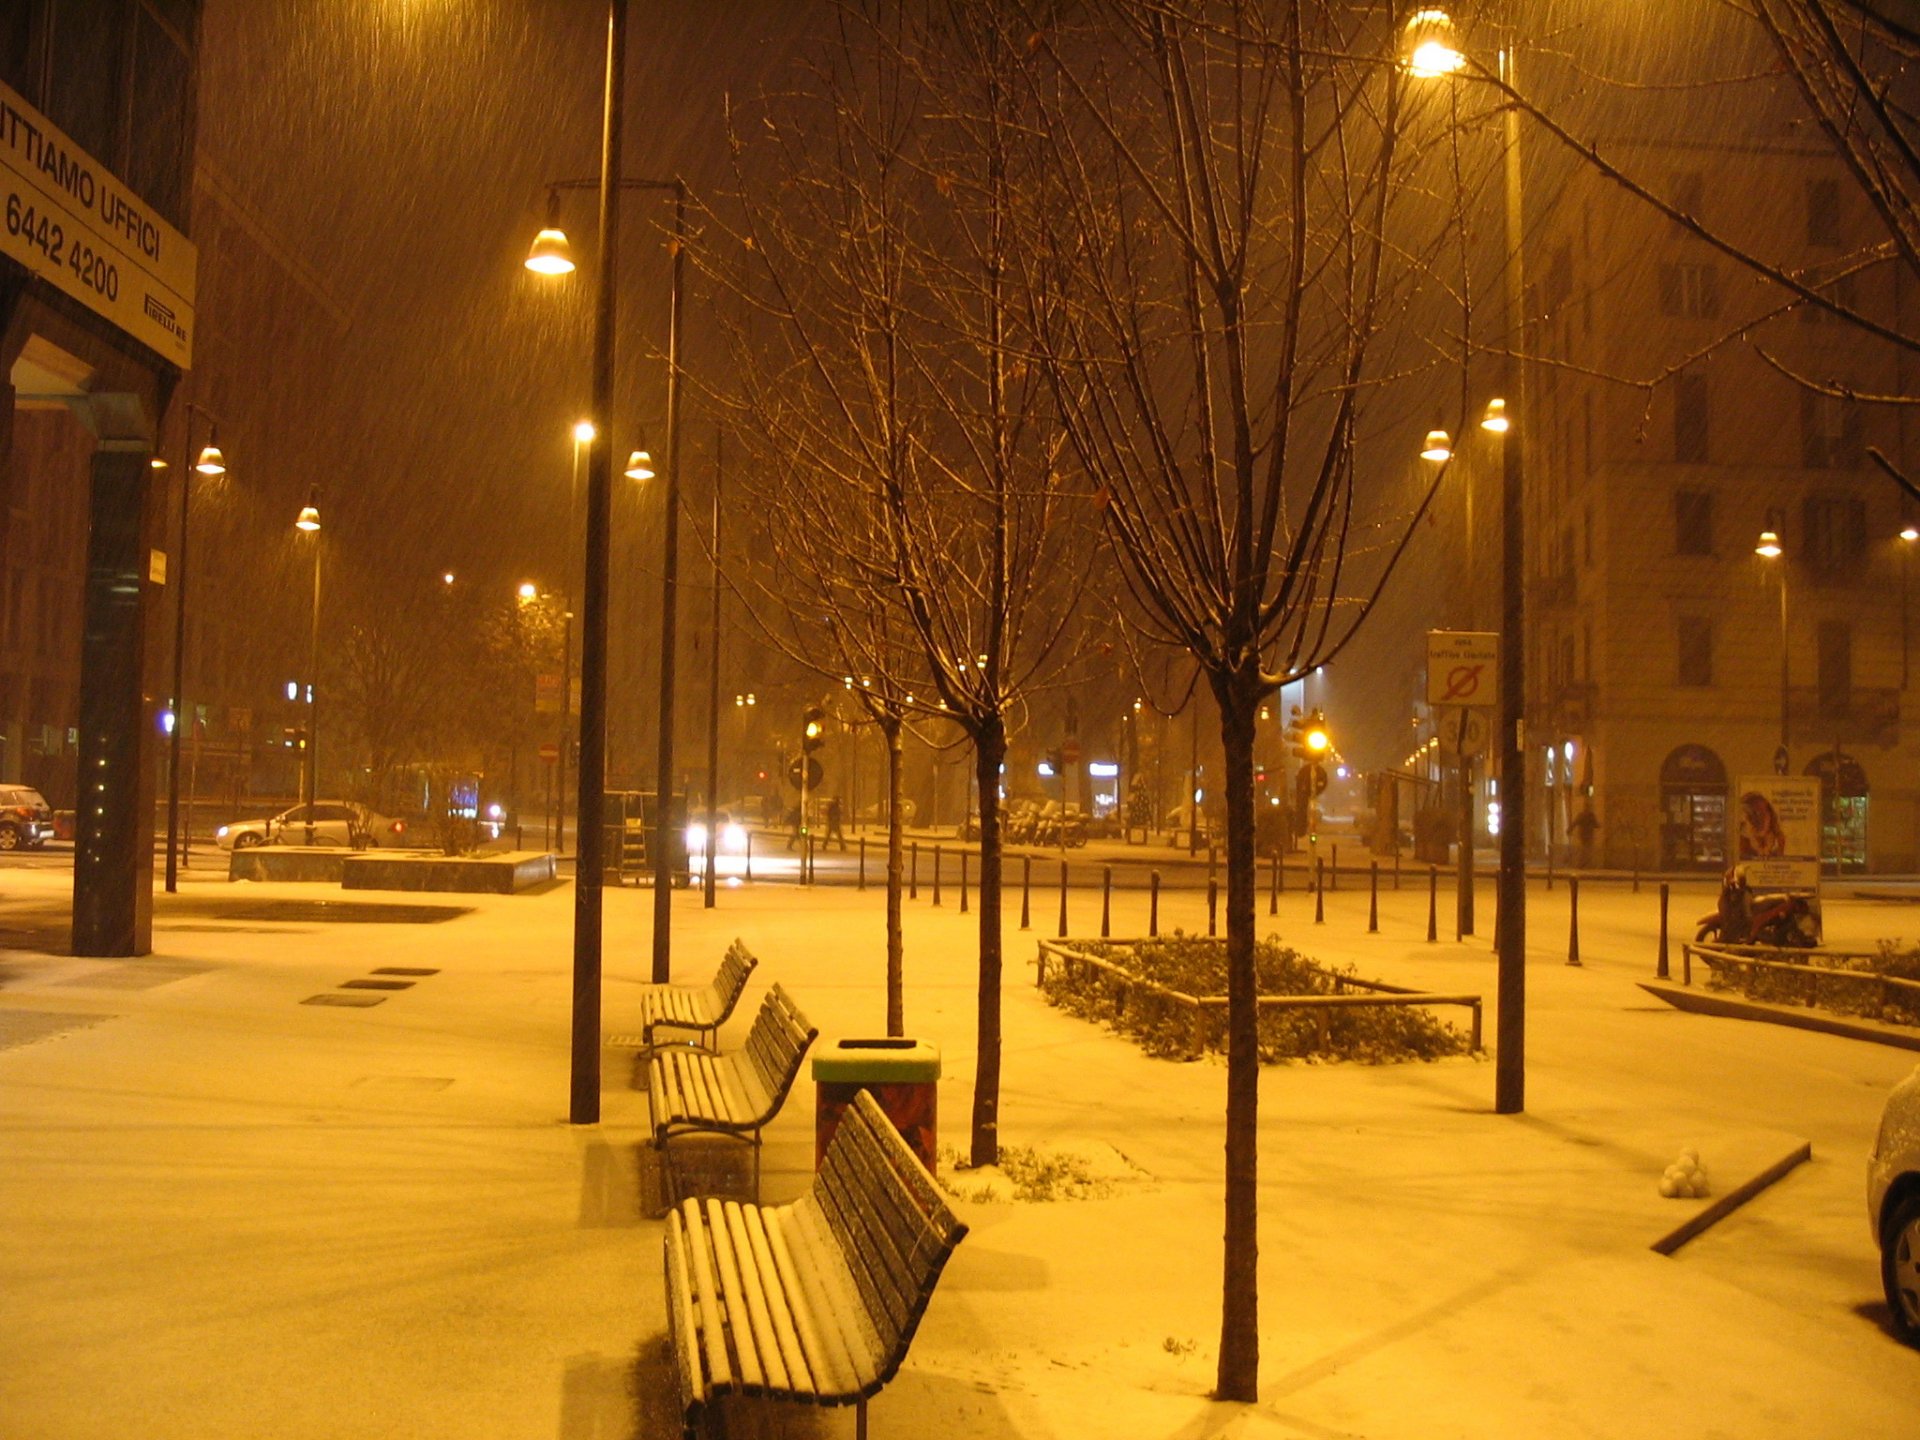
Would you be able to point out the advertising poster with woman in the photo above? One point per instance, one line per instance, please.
(1777, 825)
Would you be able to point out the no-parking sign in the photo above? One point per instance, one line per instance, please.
(1462, 667)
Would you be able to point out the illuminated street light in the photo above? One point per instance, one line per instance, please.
(583, 432)
(1769, 545)
(211, 461)
(1770, 550)
(1430, 45)
(179, 842)
(309, 523)
(639, 466)
(1438, 447)
(1496, 417)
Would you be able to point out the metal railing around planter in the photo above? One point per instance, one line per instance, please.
(1896, 993)
(1119, 981)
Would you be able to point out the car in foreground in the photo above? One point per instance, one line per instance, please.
(1893, 1205)
(335, 822)
(26, 820)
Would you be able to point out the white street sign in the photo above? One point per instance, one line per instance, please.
(74, 225)
(1462, 667)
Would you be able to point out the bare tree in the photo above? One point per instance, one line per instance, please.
(1223, 275)
(882, 363)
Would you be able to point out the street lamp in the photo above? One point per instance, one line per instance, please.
(1770, 549)
(1432, 51)
(309, 522)
(550, 257)
(210, 463)
(1908, 534)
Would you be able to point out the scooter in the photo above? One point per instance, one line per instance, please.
(1743, 918)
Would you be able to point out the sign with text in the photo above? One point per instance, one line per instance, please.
(1462, 667)
(1778, 831)
(73, 224)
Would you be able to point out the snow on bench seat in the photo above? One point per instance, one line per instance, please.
(700, 1009)
(690, 1092)
(815, 1302)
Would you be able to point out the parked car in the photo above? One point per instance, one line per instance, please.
(1893, 1205)
(26, 820)
(335, 822)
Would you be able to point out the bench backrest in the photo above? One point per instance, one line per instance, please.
(891, 1222)
(776, 1045)
(730, 981)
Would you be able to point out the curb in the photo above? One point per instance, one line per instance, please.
(1732, 1200)
(1699, 1002)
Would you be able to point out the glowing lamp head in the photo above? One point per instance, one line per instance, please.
(1438, 447)
(1496, 417)
(640, 466)
(528, 590)
(1910, 533)
(551, 255)
(583, 432)
(1769, 545)
(1431, 46)
(1317, 741)
(309, 520)
(211, 461)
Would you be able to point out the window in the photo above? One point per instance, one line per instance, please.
(1690, 290)
(16, 49)
(1832, 432)
(1836, 535)
(1693, 522)
(83, 95)
(1690, 419)
(161, 77)
(1841, 291)
(1836, 667)
(1694, 635)
(1823, 212)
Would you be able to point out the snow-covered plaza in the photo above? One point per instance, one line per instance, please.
(228, 1213)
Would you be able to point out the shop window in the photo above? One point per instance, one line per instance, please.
(1694, 635)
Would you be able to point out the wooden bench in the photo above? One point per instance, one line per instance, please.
(693, 1093)
(814, 1302)
(701, 1010)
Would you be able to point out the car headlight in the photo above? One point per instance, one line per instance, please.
(733, 837)
(697, 839)
(221, 833)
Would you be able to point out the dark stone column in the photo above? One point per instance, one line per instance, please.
(113, 834)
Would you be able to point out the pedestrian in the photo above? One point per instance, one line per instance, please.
(834, 832)
(793, 826)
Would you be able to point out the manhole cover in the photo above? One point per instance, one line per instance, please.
(403, 970)
(358, 1002)
(377, 985)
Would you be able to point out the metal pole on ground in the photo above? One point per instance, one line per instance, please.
(936, 876)
(913, 872)
(1106, 901)
(749, 866)
(863, 863)
(1373, 898)
(1273, 884)
(1333, 870)
(1319, 890)
(1063, 899)
(1661, 971)
(1026, 892)
(1153, 902)
(963, 882)
(1213, 906)
(1433, 904)
(1573, 920)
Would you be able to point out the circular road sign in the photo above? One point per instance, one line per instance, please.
(805, 773)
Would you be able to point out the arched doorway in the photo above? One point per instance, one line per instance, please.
(1843, 811)
(1693, 810)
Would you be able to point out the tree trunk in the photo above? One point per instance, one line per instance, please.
(990, 751)
(1239, 1374)
(896, 844)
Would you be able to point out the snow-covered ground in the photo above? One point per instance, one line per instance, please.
(225, 1213)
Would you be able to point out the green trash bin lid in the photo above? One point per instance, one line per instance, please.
(876, 1061)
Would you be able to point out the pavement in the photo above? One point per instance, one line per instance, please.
(236, 1200)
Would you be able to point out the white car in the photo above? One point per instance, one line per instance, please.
(335, 822)
(1893, 1205)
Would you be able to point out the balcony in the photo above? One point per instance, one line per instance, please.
(1869, 717)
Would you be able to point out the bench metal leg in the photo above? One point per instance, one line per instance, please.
(860, 1421)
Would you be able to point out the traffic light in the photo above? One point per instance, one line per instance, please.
(1309, 737)
(813, 732)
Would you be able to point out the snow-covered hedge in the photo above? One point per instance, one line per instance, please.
(1195, 966)
(1843, 983)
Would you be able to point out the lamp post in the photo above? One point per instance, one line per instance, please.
(1433, 52)
(1908, 534)
(713, 685)
(550, 256)
(583, 435)
(1770, 549)
(309, 522)
(210, 462)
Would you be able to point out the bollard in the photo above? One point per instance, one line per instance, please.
(1573, 919)
(863, 863)
(1661, 972)
(913, 871)
(1212, 861)
(1106, 902)
(1396, 864)
(1636, 872)
(1063, 899)
(1026, 892)
(749, 855)
(1273, 884)
(1433, 904)
(1549, 866)
(1213, 906)
(1319, 891)
(936, 876)
(963, 882)
(1153, 902)
(1373, 898)
(1333, 868)
(806, 861)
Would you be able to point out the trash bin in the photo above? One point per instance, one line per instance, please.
(902, 1075)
